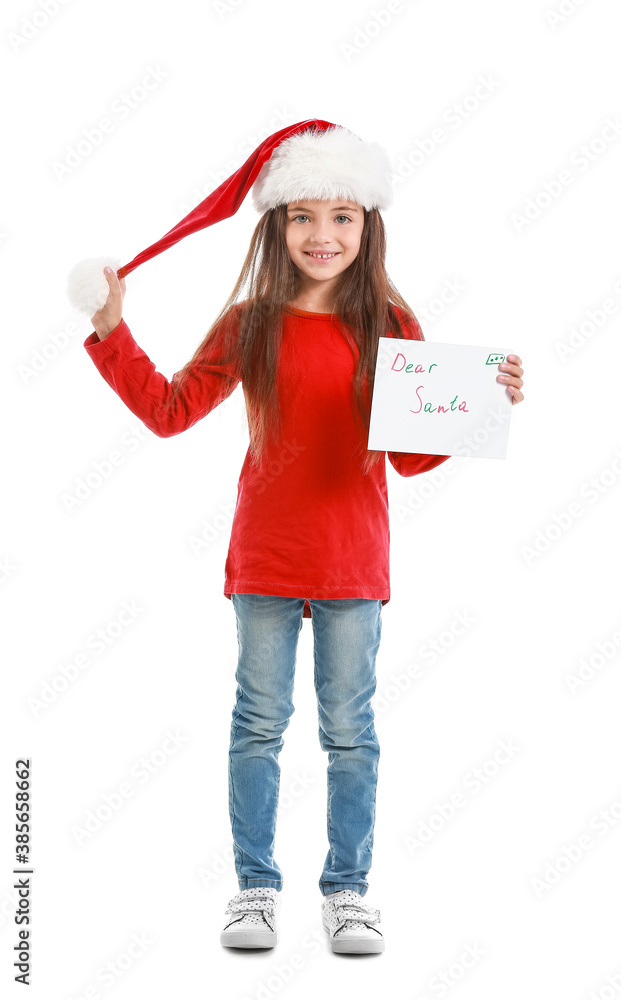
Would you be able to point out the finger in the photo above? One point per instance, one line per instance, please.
(116, 289)
(510, 369)
(510, 380)
(516, 394)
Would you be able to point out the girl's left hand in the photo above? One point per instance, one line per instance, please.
(512, 377)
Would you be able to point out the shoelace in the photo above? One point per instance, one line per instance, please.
(351, 910)
(241, 904)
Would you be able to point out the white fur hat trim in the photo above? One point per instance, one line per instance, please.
(325, 164)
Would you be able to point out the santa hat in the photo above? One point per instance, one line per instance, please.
(313, 159)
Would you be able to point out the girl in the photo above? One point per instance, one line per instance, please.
(310, 535)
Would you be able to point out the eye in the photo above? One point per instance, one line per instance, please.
(295, 218)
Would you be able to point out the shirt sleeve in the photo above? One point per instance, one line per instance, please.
(148, 394)
(410, 463)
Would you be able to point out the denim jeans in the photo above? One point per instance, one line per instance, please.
(346, 640)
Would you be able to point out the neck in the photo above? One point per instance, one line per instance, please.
(312, 306)
(314, 296)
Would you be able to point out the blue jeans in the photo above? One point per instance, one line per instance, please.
(346, 640)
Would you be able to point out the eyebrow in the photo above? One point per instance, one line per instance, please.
(341, 208)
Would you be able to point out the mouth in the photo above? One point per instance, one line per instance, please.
(321, 256)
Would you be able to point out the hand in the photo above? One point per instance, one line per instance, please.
(106, 319)
(512, 377)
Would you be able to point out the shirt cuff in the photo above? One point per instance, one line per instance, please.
(93, 341)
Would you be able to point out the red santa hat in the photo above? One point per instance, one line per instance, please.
(313, 159)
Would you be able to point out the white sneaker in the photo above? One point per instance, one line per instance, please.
(350, 923)
(252, 917)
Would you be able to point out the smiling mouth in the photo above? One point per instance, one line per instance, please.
(322, 256)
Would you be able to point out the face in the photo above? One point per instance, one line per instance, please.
(315, 228)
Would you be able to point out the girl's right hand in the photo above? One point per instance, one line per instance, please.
(106, 319)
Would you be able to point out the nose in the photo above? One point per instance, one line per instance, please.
(318, 233)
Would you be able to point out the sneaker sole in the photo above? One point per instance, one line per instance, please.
(352, 945)
(248, 939)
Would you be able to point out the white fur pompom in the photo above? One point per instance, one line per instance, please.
(87, 287)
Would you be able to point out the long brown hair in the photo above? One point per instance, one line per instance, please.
(249, 333)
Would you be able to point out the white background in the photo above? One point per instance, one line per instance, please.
(501, 875)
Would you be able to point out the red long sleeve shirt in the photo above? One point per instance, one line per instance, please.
(308, 522)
